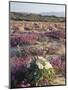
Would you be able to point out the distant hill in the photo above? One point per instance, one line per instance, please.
(35, 17)
(58, 14)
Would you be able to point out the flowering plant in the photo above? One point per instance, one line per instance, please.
(37, 72)
(41, 71)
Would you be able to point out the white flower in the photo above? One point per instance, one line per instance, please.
(40, 66)
(35, 73)
(28, 65)
(48, 65)
(41, 58)
(44, 64)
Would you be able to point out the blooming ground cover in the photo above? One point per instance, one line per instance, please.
(37, 58)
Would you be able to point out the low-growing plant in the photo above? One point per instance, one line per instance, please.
(39, 72)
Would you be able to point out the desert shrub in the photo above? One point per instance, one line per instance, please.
(58, 64)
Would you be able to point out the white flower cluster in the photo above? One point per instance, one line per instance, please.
(39, 65)
(46, 65)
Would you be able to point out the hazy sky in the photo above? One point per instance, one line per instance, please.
(35, 8)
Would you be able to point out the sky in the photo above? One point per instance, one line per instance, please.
(35, 7)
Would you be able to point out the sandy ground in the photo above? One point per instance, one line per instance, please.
(60, 80)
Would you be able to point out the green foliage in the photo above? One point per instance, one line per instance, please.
(34, 73)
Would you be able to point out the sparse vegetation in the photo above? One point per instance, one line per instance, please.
(37, 50)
